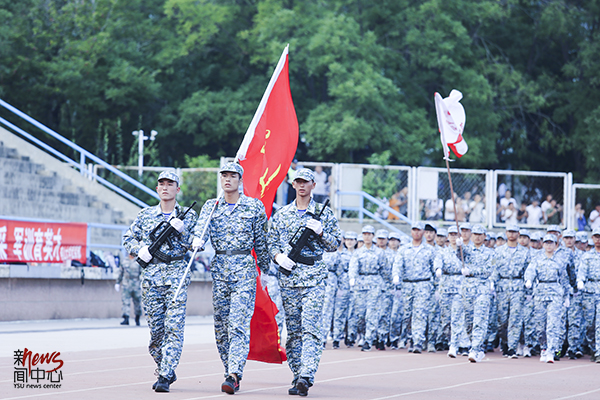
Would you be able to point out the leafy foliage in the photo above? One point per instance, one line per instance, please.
(362, 74)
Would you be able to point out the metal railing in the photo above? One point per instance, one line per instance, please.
(83, 156)
(362, 211)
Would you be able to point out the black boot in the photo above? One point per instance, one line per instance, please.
(137, 320)
(125, 320)
(162, 385)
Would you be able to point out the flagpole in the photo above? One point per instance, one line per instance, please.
(438, 112)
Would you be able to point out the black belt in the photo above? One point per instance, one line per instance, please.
(511, 277)
(452, 273)
(593, 280)
(416, 280)
(368, 273)
(234, 252)
(166, 259)
(540, 281)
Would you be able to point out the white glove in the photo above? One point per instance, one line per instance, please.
(117, 287)
(284, 261)
(144, 254)
(197, 243)
(315, 225)
(177, 224)
(438, 272)
(567, 302)
(459, 241)
(396, 280)
(528, 284)
(465, 271)
(580, 285)
(352, 282)
(492, 286)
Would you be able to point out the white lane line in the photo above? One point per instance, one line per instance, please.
(477, 382)
(578, 395)
(339, 379)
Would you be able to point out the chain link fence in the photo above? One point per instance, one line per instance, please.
(435, 199)
(586, 197)
(530, 199)
(388, 184)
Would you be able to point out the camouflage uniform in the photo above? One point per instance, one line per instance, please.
(452, 315)
(529, 323)
(386, 298)
(129, 279)
(303, 291)
(342, 297)
(235, 228)
(476, 292)
(332, 260)
(551, 284)
(567, 257)
(367, 268)
(589, 273)
(414, 266)
(166, 318)
(434, 335)
(576, 324)
(511, 263)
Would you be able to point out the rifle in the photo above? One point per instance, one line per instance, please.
(159, 235)
(304, 239)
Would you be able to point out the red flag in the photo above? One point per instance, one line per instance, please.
(266, 154)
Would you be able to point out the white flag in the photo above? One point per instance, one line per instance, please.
(451, 122)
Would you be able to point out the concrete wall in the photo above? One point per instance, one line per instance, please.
(40, 299)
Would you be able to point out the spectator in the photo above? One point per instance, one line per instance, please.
(477, 208)
(522, 214)
(545, 206)
(433, 209)
(553, 213)
(510, 214)
(594, 220)
(580, 217)
(534, 213)
(449, 209)
(460, 210)
(321, 191)
(504, 201)
(398, 202)
(466, 205)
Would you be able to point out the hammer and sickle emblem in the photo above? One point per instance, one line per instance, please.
(266, 137)
(263, 184)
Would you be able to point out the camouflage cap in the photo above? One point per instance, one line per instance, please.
(525, 232)
(417, 225)
(169, 174)
(442, 232)
(596, 232)
(430, 226)
(395, 235)
(452, 229)
(465, 225)
(478, 229)
(350, 235)
(305, 174)
(501, 235)
(512, 228)
(232, 167)
(553, 228)
(382, 234)
(568, 233)
(368, 229)
(581, 236)
(535, 236)
(550, 238)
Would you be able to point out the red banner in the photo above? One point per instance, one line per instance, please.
(42, 242)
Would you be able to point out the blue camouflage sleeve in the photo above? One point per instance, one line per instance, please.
(260, 238)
